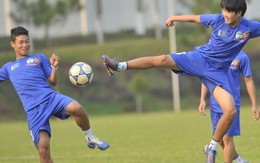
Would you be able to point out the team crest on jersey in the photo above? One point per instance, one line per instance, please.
(235, 64)
(241, 36)
(33, 61)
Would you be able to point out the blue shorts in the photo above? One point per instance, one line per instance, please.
(193, 63)
(234, 129)
(38, 117)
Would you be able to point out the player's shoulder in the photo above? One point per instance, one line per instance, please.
(8, 64)
(39, 56)
(242, 55)
(243, 59)
(212, 19)
(250, 23)
(215, 16)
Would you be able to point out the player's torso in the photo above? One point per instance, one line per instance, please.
(225, 42)
(29, 80)
(26, 71)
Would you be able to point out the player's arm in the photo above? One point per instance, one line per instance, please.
(54, 60)
(250, 86)
(182, 18)
(203, 96)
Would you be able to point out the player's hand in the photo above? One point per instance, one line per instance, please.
(169, 22)
(54, 60)
(202, 107)
(256, 113)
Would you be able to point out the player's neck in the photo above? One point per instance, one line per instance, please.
(236, 23)
(21, 56)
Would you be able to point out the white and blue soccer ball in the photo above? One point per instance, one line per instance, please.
(81, 74)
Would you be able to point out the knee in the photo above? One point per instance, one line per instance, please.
(225, 140)
(44, 151)
(74, 109)
(233, 113)
(228, 140)
(162, 59)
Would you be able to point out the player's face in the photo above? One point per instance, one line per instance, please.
(231, 18)
(21, 46)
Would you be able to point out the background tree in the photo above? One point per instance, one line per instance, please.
(42, 13)
(138, 86)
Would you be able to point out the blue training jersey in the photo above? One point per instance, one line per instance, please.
(226, 42)
(29, 78)
(234, 72)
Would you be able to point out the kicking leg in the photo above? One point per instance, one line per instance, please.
(163, 61)
(82, 120)
(80, 116)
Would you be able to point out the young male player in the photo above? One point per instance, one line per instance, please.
(208, 62)
(30, 74)
(240, 65)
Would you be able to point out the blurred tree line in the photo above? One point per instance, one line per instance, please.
(139, 85)
(42, 13)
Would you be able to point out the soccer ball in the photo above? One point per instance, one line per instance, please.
(80, 74)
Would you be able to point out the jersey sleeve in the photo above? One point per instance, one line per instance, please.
(46, 66)
(4, 73)
(255, 26)
(209, 20)
(245, 67)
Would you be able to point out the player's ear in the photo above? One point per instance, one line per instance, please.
(12, 43)
(240, 13)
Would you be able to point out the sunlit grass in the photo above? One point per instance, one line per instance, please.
(163, 137)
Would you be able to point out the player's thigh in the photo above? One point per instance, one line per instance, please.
(44, 140)
(170, 63)
(224, 98)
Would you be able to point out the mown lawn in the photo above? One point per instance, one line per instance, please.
(159, 137)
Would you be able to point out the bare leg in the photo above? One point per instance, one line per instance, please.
(226, 102)
(80, 116)
(163, 61)
(44, 148)
(229, 150)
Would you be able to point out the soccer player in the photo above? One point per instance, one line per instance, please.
(240, 65)
(209, 62)
(30, 74)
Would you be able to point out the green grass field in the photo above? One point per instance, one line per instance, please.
(161, 137)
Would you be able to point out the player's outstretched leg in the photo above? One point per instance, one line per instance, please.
(111, 64)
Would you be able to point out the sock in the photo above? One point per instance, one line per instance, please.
(239, 159)
(88, 134)
(213, 145)
(122, 66)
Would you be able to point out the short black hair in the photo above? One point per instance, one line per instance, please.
(17, 31)
(234, 6)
